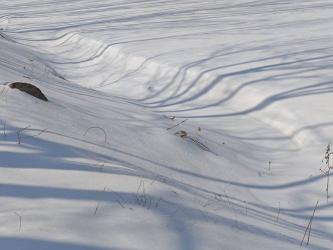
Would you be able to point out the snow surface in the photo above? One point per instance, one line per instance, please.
(99, 166)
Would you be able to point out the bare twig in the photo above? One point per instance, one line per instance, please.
(99, 203)
(18, 133)
(3, 128)
(278, 215)
(40, 131)
(99, 128)
(97, 207)
(200, 144)
(177, 124)
(20, 220)
(121, 200)
(308, 228)
(158, 202)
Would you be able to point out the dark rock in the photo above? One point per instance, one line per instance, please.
(29, 89)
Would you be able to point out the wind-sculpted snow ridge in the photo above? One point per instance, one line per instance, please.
(169, 125)
(193, 59)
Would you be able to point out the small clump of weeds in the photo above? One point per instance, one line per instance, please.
(327, 168)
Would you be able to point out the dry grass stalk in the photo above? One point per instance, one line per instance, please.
(177, 124)
(309, 226)
(98, 128)
(328, 167)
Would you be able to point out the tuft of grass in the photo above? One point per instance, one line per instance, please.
(326, 170)
(20, 135)
(183, 134)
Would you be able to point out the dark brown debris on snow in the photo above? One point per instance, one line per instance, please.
(29, 89)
